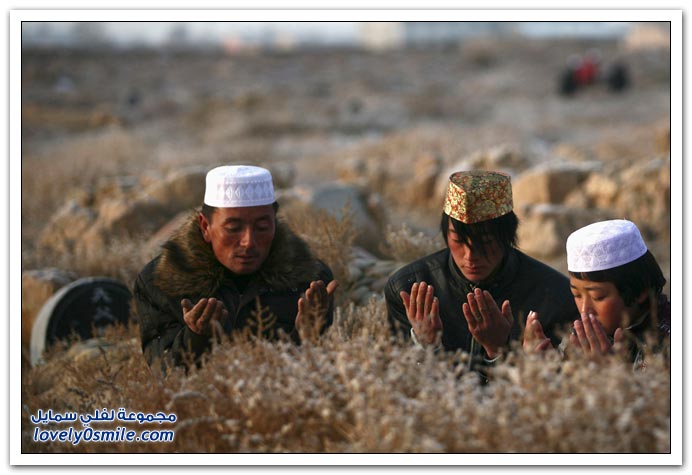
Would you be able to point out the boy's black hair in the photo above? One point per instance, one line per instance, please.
(208, 211)
(502, 229)
(630, 279)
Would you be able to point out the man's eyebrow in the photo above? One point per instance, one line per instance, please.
(233, 220)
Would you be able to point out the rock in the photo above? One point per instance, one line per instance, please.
(569, 153)
(37, 287)
(181, 190)
(598, 190)
(549, 183)
(153, 245)
(118, 219)
(645, 36)
(361, 295)
(66, 227)
(644, 197)
(601, 190)
(502, 158)
(379, 285)
(544, 228)
(367, 173)
(423, 188)
(283, 175)
(121, 187)
(336, 198)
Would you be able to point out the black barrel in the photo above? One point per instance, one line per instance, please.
(79, 309)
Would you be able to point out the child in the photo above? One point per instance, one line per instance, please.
(617, 287)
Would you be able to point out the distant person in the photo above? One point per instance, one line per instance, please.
(459, 297)
(229, 266)
(618, 289)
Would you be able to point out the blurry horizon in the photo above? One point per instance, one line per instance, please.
(286, 34)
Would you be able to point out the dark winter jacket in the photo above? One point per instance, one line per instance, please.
(525, 282)
(187, 268)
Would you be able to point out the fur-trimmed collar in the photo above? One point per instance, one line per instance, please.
(188, 266)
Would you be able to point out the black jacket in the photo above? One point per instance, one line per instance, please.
(187, 268)
(527, 283)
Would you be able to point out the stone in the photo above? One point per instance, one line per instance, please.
(283, 175)
(363, 172)
(644, 196)
(502, 158)
(120, 187)
(337, 198)
(153, 245)
(426, 171)
(549, 183)
(66, 227)
(598, 190)
(180, 190)
(544, 228)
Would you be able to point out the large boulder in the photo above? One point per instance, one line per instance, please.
(153, 245)
(120, 209)
(119, 219)
(423, 187)
(365, 208)
(363, 172)
(66, 228)
(640, 193)
(550, 183)
(501, 158)
(37, 287)
(180, 190)
(283, 174)
(544, 228)
(644, 197)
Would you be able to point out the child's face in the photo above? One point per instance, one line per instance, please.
(601, 299)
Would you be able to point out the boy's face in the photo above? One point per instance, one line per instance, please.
(601, 299)
(475, 266)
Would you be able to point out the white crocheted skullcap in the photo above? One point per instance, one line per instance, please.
(238, 186)
(604, 245)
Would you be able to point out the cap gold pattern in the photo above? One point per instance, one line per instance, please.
(474, 196)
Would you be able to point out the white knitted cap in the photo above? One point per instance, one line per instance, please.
(604, 245)
(239, 186)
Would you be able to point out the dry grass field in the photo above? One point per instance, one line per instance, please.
(98, 124)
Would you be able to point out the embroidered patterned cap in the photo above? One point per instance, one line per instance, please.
(478, 196)
(604, 245)
(238, 186)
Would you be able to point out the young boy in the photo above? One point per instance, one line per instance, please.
(617, 288)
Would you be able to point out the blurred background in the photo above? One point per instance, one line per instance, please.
(362, 121)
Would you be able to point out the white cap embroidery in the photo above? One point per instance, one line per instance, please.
(239, 186)
(604, 245)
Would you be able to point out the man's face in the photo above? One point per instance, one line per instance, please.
(475, 266)
(240, 237)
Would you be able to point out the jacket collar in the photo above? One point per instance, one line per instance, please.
(502, 277)
(188, 266)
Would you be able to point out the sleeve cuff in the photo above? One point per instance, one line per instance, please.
(419, 344)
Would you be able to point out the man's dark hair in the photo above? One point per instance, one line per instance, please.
(208, 211)
(502, 229)
(630, 279)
